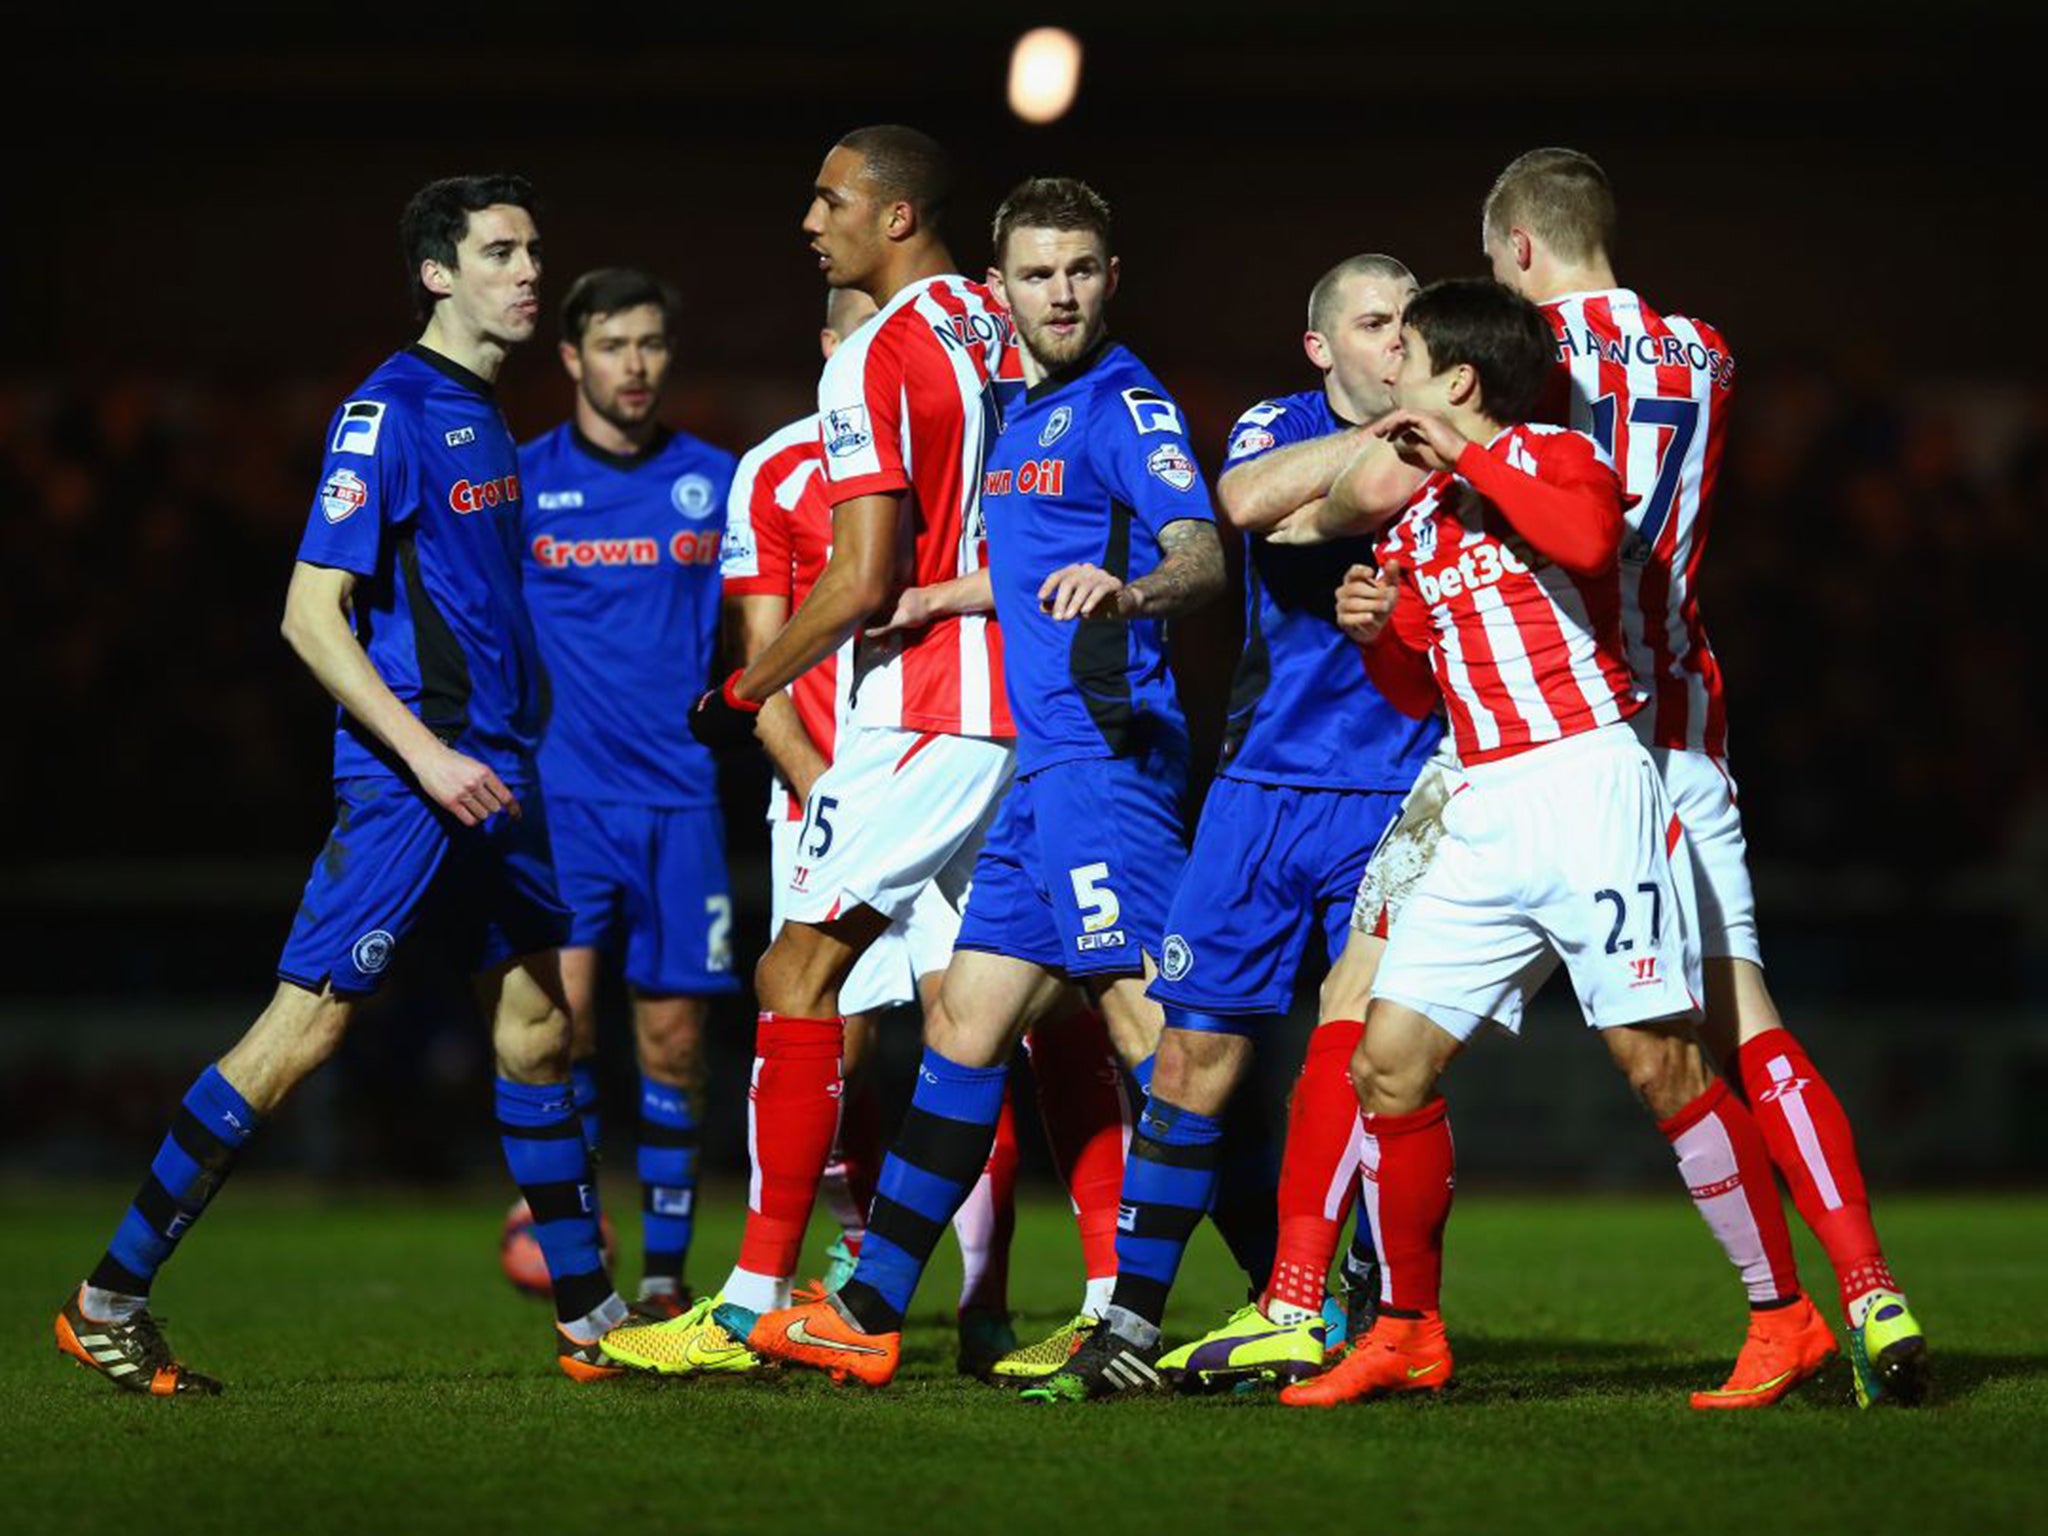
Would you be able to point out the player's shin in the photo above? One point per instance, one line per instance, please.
(543, 1143)
(1727, 1172)
(213, 1124)
(792, 1112)
(987, 1222)
(667, 1165)
(1169, 1183)
(939, 1154)
(1087, 1115)
(1407, 1171)
(1318, 1173)
(1807, 1132)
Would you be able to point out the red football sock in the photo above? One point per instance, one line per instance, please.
(1721, 1157)
(1318, 1171)
(1405, 1171)
(849, 1187)
(1087, 1124)
(987, 1222)
(792, 1112)
(1809, 1138)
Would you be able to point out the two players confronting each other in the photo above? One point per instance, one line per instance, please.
(406, 605)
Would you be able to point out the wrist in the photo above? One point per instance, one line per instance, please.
(729, 690)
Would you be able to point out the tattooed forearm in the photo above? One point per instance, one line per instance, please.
(1190, 573)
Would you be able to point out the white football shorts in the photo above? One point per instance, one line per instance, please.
(1703, 793)
(1568, 852)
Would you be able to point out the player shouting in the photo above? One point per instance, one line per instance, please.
(623, 518)
(1559, 843)
(1654, 391)
(905, 408)
(405, 604)
(1099, 528)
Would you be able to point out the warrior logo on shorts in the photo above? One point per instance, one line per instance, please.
(1175, 958)
(691, 496)
(372, 951)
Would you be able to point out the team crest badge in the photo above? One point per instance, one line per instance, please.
(1175, 958)
(1056, 426)
(1170, 464)
(692, 496)
(343, 493)
(372, 951)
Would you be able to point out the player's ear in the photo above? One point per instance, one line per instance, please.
(1318, 349)
(1525, 248)
(902, 221)
(435, 279)
(1463, 388)
(995, 286)
(1116, 268)
(572, 360)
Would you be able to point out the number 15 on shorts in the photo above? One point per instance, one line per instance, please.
(1100, 910)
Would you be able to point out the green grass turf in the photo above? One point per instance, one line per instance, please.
(382, 1377)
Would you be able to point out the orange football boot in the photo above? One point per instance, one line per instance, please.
(1785, 1346)
(820, 1334)
(583, 1363)
(1398, 1354)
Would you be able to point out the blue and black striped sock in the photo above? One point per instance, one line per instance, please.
(937, 1159)
(543, 1142)
(1169, 1184)
(213, 1124)
(667, 1161)
(583, 1082)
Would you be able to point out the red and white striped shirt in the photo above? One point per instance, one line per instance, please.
(1653, 391)
(778, 536)
(907, 404)
(1524, 651)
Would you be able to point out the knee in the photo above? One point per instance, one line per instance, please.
(1667, 1075)
(533, 1047)
(1387, 1082)
(672, 1044)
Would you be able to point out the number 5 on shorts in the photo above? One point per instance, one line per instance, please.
(1099, 906)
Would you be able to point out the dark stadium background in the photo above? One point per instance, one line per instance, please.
(201, 260)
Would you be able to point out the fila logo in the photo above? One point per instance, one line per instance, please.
(1645, 969)
(459, 437)
(1126, 1218)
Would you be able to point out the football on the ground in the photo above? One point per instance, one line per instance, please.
(525, 1265)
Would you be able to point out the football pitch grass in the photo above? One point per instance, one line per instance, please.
(383, 1377)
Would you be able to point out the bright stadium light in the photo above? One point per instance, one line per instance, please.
(1045, 72)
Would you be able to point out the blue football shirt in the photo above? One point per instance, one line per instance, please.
(419, 497)
(622, 578)
(1089, 466)
(1302, 711)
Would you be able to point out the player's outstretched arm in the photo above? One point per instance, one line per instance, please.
(1257, 494)
(1189, 573)
(855, 582)
(316, 625)
(756, 619)
(1366, 494)
(919, 606)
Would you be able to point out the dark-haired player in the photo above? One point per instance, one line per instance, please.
(1099, 528)
(405, 604)
(1654, 391)
(623, 518)
(906, 407)
(1559, 844)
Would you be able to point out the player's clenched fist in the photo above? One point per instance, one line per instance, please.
(1086, 592)
(465, 788)
(1365, 601)
(721, 719)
